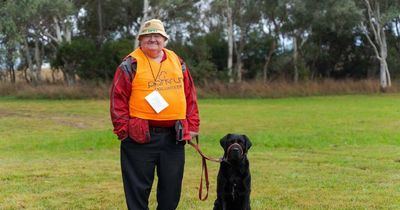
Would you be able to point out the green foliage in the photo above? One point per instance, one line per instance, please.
(90, 62)
(393, 59)
(206, 56)
(330, 44)
(256, 47)
(118, 17)
(111, 55)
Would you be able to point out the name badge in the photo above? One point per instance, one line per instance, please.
(156, 101)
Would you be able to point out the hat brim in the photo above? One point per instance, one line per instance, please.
(155, 32)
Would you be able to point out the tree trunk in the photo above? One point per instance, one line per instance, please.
(63, 30)
(38, 60)
(230, 40)
(295, 58)
(268, 60)
(380, 45)
(239, 71)
(68, 71)
(68, 33)
(382, 73)
(12, 75)
(24, 70)
(384, 56)
(11, 72)
(239, 63)
(10, 64)
(144, 18)
(57, 28)
(384, 70)
(28, 59)
(100, 21)
(69, 76)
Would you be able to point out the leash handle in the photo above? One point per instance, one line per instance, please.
(204, 169)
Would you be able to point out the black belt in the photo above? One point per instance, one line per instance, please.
(161, 129)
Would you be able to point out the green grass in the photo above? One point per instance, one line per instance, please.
(336, 152)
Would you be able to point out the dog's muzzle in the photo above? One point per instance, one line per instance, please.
(235, 152)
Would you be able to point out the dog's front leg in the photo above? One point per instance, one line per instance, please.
(224, 205)
(246, 203)
(247, 190)
(221, 183)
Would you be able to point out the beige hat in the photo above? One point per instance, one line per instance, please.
(153, 26)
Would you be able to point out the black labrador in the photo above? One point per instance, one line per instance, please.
(233, 182)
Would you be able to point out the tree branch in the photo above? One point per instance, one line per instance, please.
(364, 28)
(374, 28)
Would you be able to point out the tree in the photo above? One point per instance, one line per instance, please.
(104, 20)
(378, 15)
(18, 29)
(143, 19)
(229, 25)
(41, 22)
(274, 15)
(238, 18)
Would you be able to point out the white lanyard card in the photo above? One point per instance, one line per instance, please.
(156, 101)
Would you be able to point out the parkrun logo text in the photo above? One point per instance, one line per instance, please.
(166, 84)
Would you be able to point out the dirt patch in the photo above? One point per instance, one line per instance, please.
(56, 119)
(79, 125)
(13, 113)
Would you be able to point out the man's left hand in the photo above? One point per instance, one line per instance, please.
(193, 134)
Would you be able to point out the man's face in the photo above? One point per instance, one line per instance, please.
(152, 42)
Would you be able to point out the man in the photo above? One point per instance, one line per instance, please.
(154, 111)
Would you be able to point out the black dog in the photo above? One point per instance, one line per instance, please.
(233, 182)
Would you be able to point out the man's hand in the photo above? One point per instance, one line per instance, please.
(193, 134)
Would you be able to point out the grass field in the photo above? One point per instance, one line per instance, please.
(337, 152)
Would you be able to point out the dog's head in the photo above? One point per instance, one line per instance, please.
(235, 146)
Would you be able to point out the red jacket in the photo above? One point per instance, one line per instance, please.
(138, 129)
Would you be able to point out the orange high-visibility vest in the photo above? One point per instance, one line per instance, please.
(167, 80)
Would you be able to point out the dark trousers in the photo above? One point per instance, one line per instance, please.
(139, 162)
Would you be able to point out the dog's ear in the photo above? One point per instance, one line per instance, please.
(224, 140)
(247, 142)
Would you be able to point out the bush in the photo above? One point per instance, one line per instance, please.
(89, 61)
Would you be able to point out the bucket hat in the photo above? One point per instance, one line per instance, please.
(153, 26)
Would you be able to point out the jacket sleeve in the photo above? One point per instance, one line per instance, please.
(119, 99)
(192, 111)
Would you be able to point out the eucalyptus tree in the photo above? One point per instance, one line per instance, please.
(396, 32)
(247, 16)
(298, 27)
(57, 19)
(317, 28)
(8, 43)
(18, 27)
(274, 16)
(239, 18)
(41, 22)
(8, 52)
(331, 49)
(177, 15)
(145, 12)
(103, 20)
(55, 26)
(378, 17)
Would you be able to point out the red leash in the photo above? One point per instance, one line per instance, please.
(204, 159)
